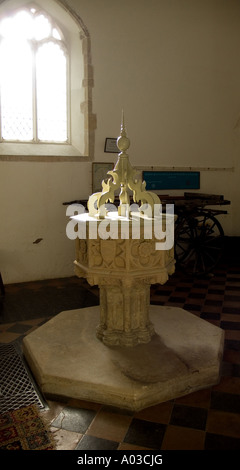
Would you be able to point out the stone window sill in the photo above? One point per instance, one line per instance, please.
(40, 152)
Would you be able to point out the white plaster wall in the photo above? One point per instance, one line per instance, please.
(174, 67)
(32, 195)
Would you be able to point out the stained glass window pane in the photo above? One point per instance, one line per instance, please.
(16, 90)
(51, 93)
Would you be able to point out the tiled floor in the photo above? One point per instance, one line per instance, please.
(207, 419)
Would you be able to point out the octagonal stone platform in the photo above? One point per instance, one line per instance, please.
(68, 360)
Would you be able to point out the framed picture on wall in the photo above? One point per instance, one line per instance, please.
(99, 173)
(111, 145)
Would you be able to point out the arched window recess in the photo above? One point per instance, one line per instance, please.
(46, 81)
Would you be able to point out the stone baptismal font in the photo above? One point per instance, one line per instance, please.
(124, 352)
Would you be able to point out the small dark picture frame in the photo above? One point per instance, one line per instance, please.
(111, 145)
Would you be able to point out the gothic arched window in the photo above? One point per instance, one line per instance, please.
(33, 78)
(46, 81)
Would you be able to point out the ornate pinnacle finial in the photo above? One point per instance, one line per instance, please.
(121, 178)
(123, 129)
(123, 141)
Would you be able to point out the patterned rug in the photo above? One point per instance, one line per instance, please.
(24, 429)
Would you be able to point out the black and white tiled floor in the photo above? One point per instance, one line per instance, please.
(207, 419)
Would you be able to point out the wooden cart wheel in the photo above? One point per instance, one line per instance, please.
(199, 240)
